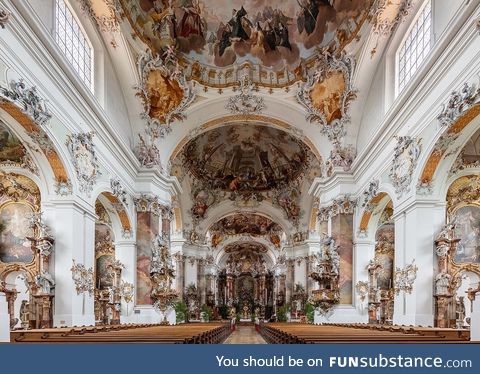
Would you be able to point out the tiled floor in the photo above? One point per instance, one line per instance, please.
(245, 335)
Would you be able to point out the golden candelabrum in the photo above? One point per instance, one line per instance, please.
(162, 274)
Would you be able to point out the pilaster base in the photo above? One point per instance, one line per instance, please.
(342, 314)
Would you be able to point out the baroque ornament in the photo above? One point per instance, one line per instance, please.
(340, 157)
(118, 191)
(148, 153)
(407, 152)
(404, 278)
(369, 194)
(84, 159)
(459, 103)
(28, 100)
(331, 111)
(83, 278)
(164, 91)
(326, 272)
(162, 274)
(105, 16)
(345, 204)
(4, 15)
(246, 102)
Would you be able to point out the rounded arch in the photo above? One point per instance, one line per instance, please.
(256, 119)
(371, 214)
(220, 255)
(447, 141)
(117, 211)
(227, 207)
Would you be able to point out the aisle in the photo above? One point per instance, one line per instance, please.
(245, 335)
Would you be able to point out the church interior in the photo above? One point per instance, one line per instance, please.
(250, 171)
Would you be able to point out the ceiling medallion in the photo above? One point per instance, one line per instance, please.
(407, 152)
(84, 159)
(164, 91)
(327, 93)
(246, 102)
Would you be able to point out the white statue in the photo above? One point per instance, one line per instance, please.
(442, 282)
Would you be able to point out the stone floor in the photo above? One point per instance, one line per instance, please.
(245, 335)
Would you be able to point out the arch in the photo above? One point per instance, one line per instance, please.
(442, 145)
(117, 211)
(227, 207)
(257, 119)
(220, 255)
(45, 144)
(372, 211)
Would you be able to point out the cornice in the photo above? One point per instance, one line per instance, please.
(51, 61)
(443, 56)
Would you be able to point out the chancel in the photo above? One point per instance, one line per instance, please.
(202, 171)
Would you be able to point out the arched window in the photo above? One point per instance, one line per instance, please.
(415, 47)
(73, 42)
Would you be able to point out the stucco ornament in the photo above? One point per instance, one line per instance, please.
(164, 90)
(28, 100)
(404, 278)
(458, 103)
(82, 278)
(328, 92)
(84, 159)
(246, 102)
(369, 194)
(4, 16)
(407, 152)
(118, 191)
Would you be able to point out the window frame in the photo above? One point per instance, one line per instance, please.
(401, 45)
(63, 47)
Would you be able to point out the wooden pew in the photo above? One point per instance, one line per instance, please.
(293, 333)
(195, 333)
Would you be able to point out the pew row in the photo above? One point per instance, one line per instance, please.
(192, 333)
(296, 333)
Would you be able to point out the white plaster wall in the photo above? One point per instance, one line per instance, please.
(4, 320)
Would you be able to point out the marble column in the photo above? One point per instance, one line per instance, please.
(4, 320)
(73, 226)
(416, 226)
(179, 274)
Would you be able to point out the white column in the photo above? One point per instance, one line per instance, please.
(363, 252)
(475, 320)
(415, 230)
(4, 320)
(125, 252)
(73, 227)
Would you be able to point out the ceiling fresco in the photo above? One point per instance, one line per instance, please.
(277, 34)
(252, 247)
(246, 157)
(246, 223)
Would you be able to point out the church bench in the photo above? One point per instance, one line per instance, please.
(206, 333)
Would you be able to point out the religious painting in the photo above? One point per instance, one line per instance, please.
(342, 225)
(278, 34)
(327, 95)
(14, 229)
(467, 229)
(11, 149)
(246, 261)
(246, 223)
(164, 94)
(104, 278)
(147, 229)
(246, 157)
(245, 246)
(384, 254)
(104, 254)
